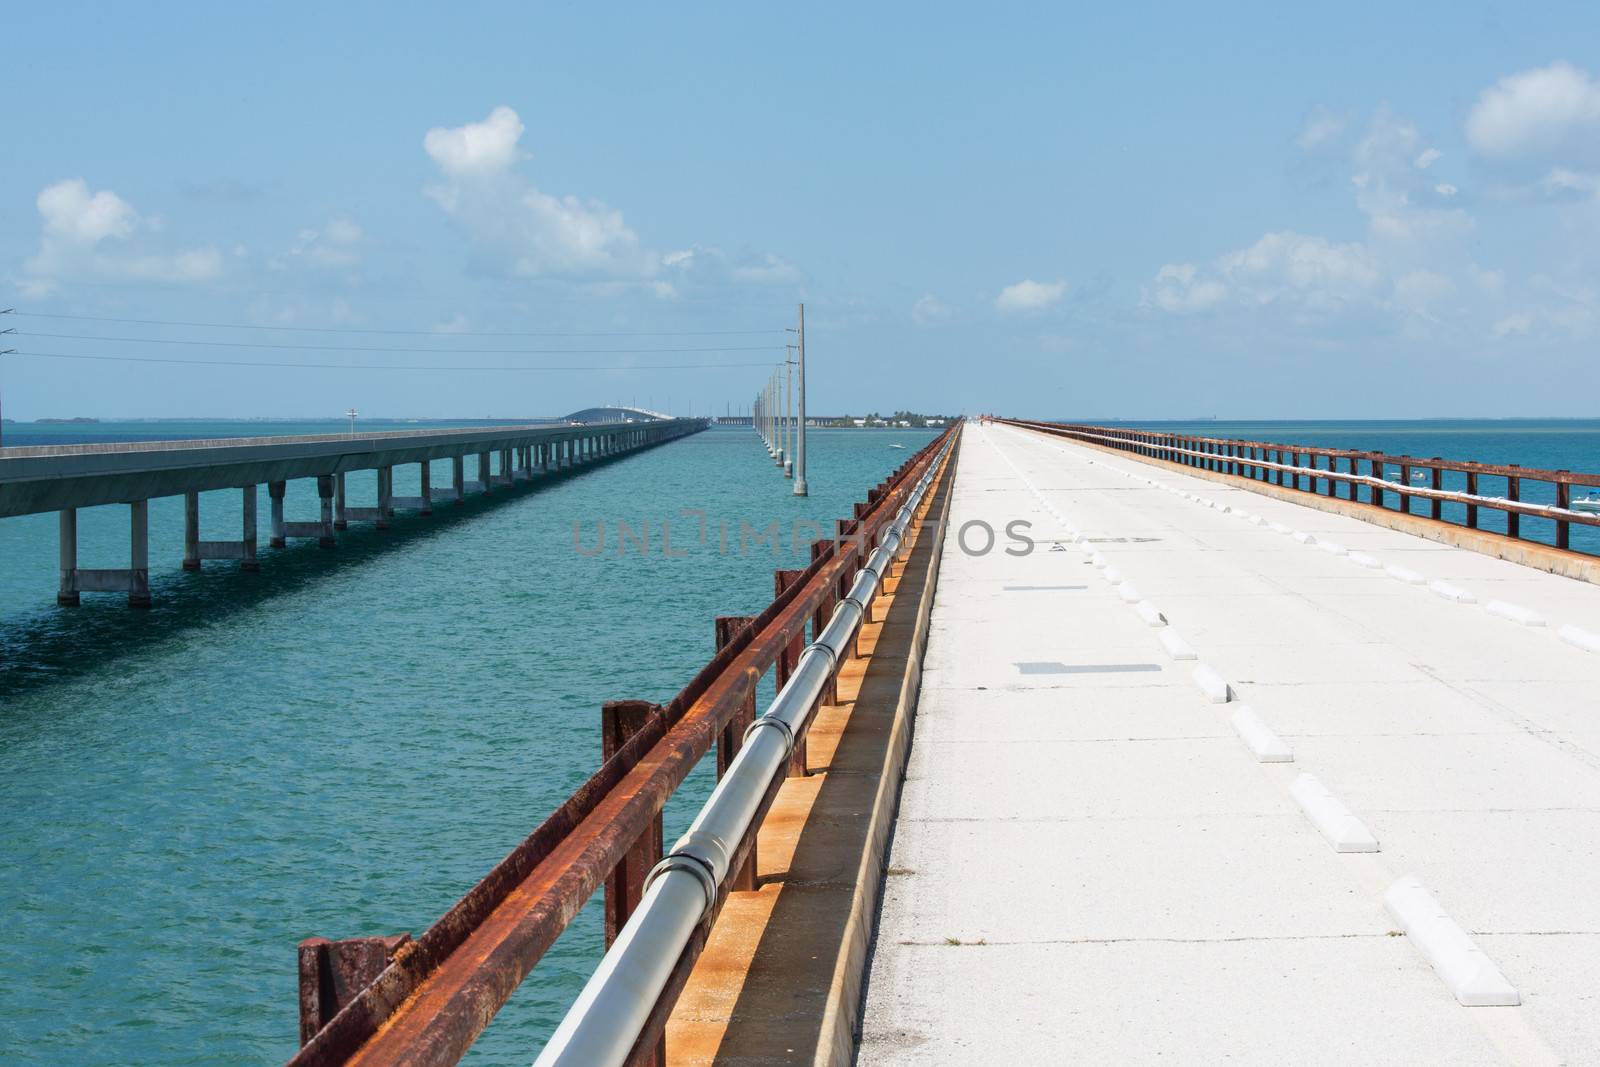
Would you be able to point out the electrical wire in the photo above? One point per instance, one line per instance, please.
(376, 366)
(395, 333)
(384, 347)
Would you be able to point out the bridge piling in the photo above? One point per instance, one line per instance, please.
(279, 537)
(247, 543)
(341, 519)
(67, 594)
(191, 531)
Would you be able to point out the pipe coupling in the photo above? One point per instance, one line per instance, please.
(777, 723)
(818, 646)
(681, 860)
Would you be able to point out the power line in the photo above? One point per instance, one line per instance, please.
(375, 366)
(393, 348)
(394, 333)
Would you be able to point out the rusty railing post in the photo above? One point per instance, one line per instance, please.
(1563, 500)
(333, 972)
(732, 737)
(1513, 493)
(788, 657)
(620, 720)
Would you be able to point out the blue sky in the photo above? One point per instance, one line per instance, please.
(1135, 211)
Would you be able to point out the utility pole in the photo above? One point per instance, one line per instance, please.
(5, 352)
(800, 488)
(788, 413)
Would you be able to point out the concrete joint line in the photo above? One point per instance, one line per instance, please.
(1327, 813)
(1466, 971)
(1259, 739)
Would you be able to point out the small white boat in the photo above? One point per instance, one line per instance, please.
(897, 446)
(1589, 505)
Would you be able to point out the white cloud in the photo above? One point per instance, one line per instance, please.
(85, 235)
(1543, 112)
(1029, 295)
(335, 245)
(767, 269)
(1179, 288)
(517, 228)
(1321, 129)
(486, 147)
(1281, 268)
(708, 265)
(1427, 158)
(928, 310)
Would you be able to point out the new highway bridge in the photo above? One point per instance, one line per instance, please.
(65, 478)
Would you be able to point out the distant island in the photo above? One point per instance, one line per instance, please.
(899, 420)
(62, 422)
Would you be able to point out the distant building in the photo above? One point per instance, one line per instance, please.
(859, 422)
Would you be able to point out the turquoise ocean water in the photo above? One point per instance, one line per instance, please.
(344, 743)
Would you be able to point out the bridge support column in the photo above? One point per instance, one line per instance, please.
(279, 536)
(67, 593)
(139, 554)
(483, 472)
(191, 531)
(385, 496)
(458, 478)
(427, 488)
(325, 492)
(247, 544)
(341, 521)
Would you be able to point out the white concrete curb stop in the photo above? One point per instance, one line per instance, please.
(1514, 612)
(1113, 576)
(1580, 638)
(1405, 574)
(1361, 559)
(1147, 611)
(1344, 831)
(1469, 974)
(1304, 538)
(1176, 646)
(1333, 548)
(1278, 527)
(1212, 685)
(1267, 746)
(1452, 592)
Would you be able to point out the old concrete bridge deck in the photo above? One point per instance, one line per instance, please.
(1101, 856)
(64, 478)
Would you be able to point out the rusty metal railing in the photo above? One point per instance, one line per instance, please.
(1416, 483)
(433, 996)
(604, 1023)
